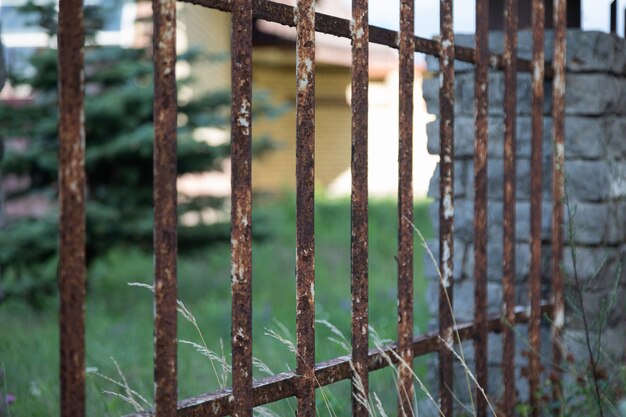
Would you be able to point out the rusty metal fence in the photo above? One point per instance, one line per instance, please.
(247, 393)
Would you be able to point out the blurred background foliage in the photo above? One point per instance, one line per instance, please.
(119, 135)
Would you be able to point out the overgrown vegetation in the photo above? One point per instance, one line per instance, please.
(592, 381)
(119, 317)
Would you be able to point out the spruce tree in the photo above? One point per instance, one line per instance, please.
(119, 135)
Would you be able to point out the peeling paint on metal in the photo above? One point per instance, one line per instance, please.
(480, 201)
(305, 183)
(72, 270)
(535, 204)
(447, 52)
(241, 207)
(405, 205)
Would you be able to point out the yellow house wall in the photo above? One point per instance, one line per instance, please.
(208, 30)
(274, 71)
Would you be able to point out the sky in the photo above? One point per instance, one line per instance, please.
(385, 13)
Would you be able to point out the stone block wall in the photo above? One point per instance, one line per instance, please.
(595, 171)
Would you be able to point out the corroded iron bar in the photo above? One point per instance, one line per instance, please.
(535, 203)
(284, 385)
(305, 185)
(165, 217)
(480, 201)
(558, 191)
(283, 14)
(405, 207)
(241, 206)
(508, 215)
(446, 206)
(72, 206)
(359, 206)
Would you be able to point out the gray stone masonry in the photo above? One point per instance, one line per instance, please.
(595, 169)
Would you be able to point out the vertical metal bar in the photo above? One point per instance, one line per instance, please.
(165, 217)
(480, 201)
(613, 16)
(405, 208)
(72, 201)
(241, 206)
(509, 214)
(558, 191)
(359, 206)
(446, 206)
(305, 188)
(538, 65)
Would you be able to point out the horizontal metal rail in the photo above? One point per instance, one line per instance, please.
(332, 25)
(283, 385)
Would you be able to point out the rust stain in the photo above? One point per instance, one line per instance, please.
(302, 383)
(165, 200)
(241, 206)
(509, 214)
(480, 201)
(558, 192)
(72, 207)
(305, 189)
(535, 204)
(446, 205)
(405, 207)
(359, 207)
(284, 385)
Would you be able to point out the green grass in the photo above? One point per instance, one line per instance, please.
(119, 317)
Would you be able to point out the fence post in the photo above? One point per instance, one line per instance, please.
(303, 382)
(305, 190)
(480, 200)
(536, 176)
(72, 268)
(165, 201)
(359, 207)
(509, 205)
(558, 192)
(446, 207)
(405, 208)
(241, 207)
